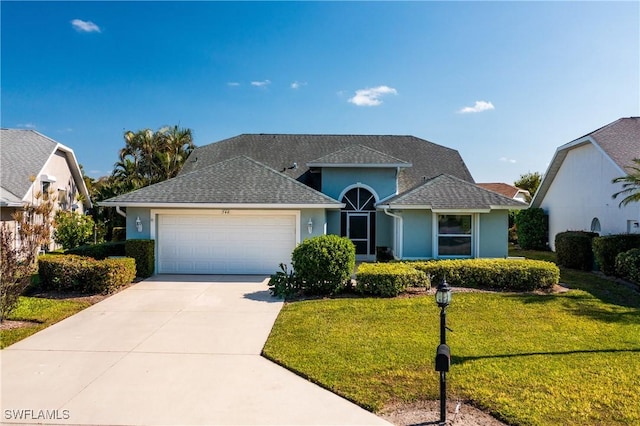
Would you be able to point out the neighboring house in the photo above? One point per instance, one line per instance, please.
(241, 205)
(576, 191)
(31, 163)
(507, 190)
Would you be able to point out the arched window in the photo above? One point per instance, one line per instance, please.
(358, 220)
(595, 225)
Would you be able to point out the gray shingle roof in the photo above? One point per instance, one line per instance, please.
(281, 151)
(620, 140)
(358, 155)
(23, 153)
(448, 192)
(238, 180)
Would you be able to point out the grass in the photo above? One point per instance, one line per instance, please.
(41, 313)
(529, 359)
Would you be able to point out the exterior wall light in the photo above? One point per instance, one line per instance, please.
(443, 354)
(138, 224)
(310, 226)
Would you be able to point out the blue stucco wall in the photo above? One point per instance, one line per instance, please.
(335, 180)
(494, 234)
(417, 238)
(145, 218)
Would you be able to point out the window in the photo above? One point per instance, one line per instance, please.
(45, 190)
(595, 225)
(454, 235)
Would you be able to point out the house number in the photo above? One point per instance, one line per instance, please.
(225, 211)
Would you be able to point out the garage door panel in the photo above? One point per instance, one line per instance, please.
(210, 244)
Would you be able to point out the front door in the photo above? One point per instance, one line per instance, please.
(359, 222)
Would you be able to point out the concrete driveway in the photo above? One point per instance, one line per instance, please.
(171, 350)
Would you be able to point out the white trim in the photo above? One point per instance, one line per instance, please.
(226, 206)
(360, 165)
(475, 240)
(358, 185)
(398, 233)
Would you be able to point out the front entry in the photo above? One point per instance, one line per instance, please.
(358, 222)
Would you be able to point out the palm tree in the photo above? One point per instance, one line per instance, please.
(630, 185)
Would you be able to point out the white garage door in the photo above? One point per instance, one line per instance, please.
(224, 244)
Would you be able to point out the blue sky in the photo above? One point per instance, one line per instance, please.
(504, 83)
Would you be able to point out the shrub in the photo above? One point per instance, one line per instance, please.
(143, 251)
(574, 250)
(388, 279)
(532, 228)
(324, 264)
(628, 265)
(284, 283)
(72, 229)
(605, 250)
(85, 274)
(119, 233)
(497, 274)
(99, 251)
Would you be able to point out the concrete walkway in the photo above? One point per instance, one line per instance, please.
(171, 350)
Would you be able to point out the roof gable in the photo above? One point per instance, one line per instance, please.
(503, 188)
(358, 156)
(447, 192)
(282, 151)
(238, 180)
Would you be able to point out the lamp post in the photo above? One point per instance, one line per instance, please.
(443, 354)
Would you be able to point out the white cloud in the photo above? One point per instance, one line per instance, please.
(27, 125)
(85, 26)
(371, 97)
(478, 107)
(508, 160)
(261, 83)
(233, 84)
(296, 85)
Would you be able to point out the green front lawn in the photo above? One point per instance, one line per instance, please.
(529, 359)
(41, 313)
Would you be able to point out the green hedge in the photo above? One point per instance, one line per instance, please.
(324, 264)
(143, 251)
(85, 274)
(532, 229)
(574, 249)
(605, 250)
(388, 279)
(99, 251)
(628, 265)
(496, 274)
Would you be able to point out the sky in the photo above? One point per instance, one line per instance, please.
(504, 83)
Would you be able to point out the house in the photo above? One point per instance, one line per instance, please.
(241, 205)
(508, 191)
(576, 191)
(32, 163)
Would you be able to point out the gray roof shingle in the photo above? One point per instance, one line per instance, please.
(238, 180)
(620, 140)
(358, 155)
(281, 151)
(449, 192)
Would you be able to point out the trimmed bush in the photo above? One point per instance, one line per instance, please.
(628, 265)
(531, 225)
(574, 250)
(496, 274)
(143, 251)
(388, 279)
(324, 264)
(99, 251)
(605, 250)
(284, 283)
(85, 274)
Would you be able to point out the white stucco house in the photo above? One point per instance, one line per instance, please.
(32, 163)
(576, 190)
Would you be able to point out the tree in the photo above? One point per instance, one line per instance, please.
(18, 258)
(72, 229)
(630, 185)
(530, 182)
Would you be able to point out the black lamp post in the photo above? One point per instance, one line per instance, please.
(443, 354)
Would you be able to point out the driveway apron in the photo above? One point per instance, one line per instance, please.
(171, 350)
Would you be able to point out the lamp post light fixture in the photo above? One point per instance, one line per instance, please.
(310, 226)
(443, 354)
(138, 224)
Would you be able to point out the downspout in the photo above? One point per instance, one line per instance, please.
(398, 235)
(120, 212)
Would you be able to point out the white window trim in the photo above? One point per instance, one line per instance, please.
(475, 232)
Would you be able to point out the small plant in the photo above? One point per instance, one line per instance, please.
(628, 265)
(284, 283)
(72, 229)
